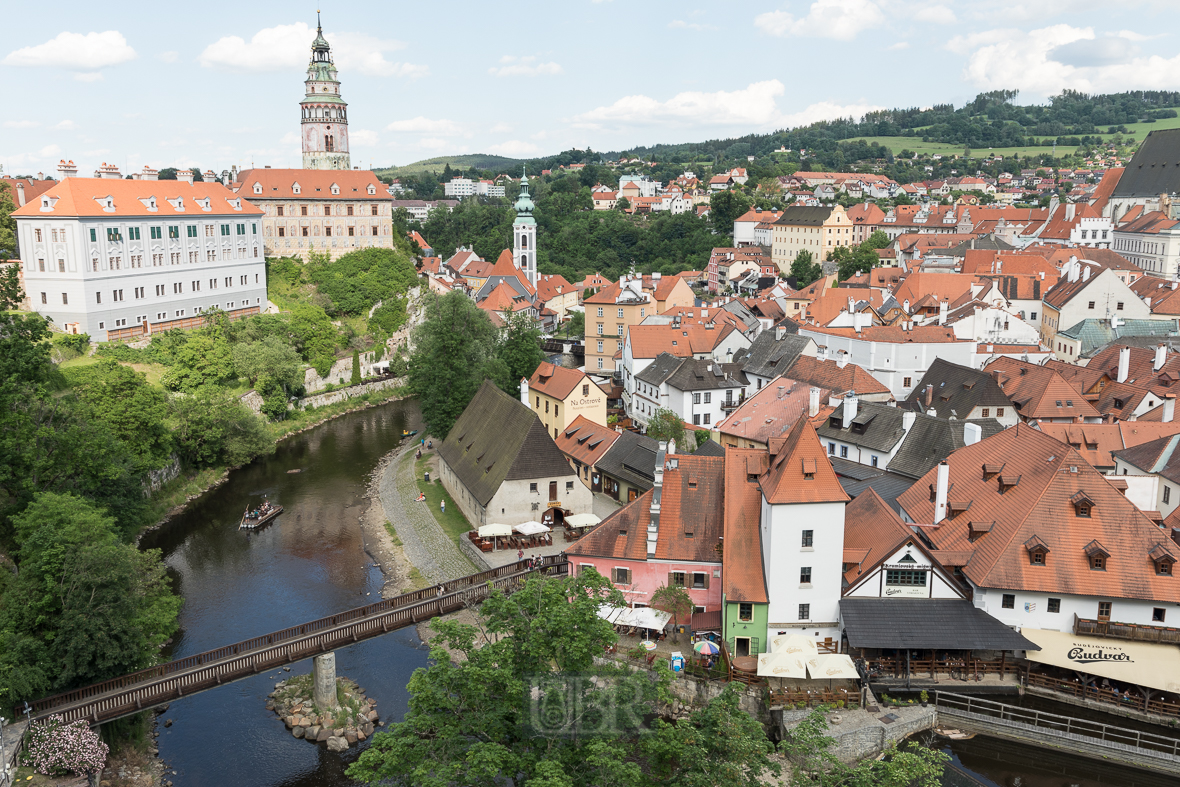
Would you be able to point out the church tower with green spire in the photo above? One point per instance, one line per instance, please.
(524, 233)
(325, 115)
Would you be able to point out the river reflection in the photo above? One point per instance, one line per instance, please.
(307, 564)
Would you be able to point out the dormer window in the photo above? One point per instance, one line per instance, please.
(295, 188)
(335, 189)
(956, 507)
(1038, 551)
(1097, 555)
(372, 190)
(977, 530)
(1082, 504)
(991, 471)
(257, 188)
(1008, 481)
(808, 469)
(1163, 560)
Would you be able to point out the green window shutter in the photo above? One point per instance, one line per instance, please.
(93, 235)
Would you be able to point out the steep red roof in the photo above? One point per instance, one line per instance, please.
(1027, 488)
(772, 411)
(1038, 392)
(173, 199)
(833, 377)
(585, 441)
(557, 381)
(550, 286)
(648, 341)
(800, 471)
(1097, 442)
(742, 571)
(314, 184)
(873, 530)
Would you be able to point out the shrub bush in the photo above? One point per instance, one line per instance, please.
(56, 749)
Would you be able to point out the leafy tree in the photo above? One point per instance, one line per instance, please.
(518, 351)
(805, 270)
(84, 606)
(622, 204)
(666, 425)
(356, 368)
(8, 249)
(452, 350)
(814, 764)
(122, 398)
(576, 324)
(525, 702)
(725, 207)
(357, 281)
(720, 744)
(205, 359)
(271, 357)
(878, 240)
(215, 428)
(316, 335)
(674, 600)
(11, 292)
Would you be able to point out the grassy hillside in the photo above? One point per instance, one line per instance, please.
(1135, 135)
(477, 160)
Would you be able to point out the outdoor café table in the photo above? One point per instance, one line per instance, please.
(746, 663)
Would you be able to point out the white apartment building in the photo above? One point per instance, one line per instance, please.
(118, 259)
(466, 187)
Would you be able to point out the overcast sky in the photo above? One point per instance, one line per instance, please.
(219, 83)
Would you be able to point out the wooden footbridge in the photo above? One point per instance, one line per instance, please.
(129, 694)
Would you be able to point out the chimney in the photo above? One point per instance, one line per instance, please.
(929, 395)
(905, 306)
(185, 175)
(149, 173)
(524, 392)
(1069, 211)
(813, 402)
(1161, 357)
(653, 528)
(851, 405)
(1124, 364)
(671, 448)
(1085, 273)
(1169, 408)
(108, 171)
(972, 434)
(66, 169)
(943, 308)
(842, 359)
(779, 332)
(907, 421)
(940, 491)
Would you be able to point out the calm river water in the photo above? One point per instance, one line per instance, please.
(311, 563)
(307, 564)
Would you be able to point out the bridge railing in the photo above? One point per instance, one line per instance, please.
(1054, 725)
(348, 625)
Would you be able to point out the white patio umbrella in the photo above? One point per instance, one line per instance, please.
(797, 644)
(491, 531)
(780, 664)
(832, 666)
(582, 520)
(531, 528)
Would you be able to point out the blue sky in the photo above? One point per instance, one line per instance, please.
(219, 83)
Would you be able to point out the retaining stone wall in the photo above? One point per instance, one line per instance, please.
(870, 741)
(474, 555)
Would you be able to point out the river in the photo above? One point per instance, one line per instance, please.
(311, 563)
(307, 564)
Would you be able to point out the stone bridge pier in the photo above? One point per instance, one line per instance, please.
(323, 679)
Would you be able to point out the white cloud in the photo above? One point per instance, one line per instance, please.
(291, 139)
(434, 143)
(1028, 62)
(169, 57)
(825, 110)
(89, 76)
(285, 47)
(514, 148)
(363, 136)
(682, 25)
(423, 125)
(899, 46)
(529, 66)
(838, 19)
(49, 151)
(500, 128)
(936, 14)
(21, 124)
(66, 125)
(75, 51)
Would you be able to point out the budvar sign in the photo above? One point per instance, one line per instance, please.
(1081, 655)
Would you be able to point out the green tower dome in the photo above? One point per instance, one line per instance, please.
(524, 203)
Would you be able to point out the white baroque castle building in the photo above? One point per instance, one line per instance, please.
(325, 114)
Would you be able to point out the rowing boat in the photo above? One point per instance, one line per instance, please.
(253, 523)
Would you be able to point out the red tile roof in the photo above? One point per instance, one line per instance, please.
(742, 571)
(585, 441)
(648, 341)
(314, 184)
(1097, 442)
(558, 381)
(1048, 475)
(1038, 392)
(831, 376)
(80, 197)
(771, 412)
(550, 286)
(800, 471)
(872, 530)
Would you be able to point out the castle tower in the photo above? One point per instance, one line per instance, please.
(325, 115)
(524, 234)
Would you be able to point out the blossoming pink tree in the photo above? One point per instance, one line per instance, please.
(55, 748)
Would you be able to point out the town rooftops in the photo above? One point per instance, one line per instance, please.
(892, 334)
(585, 441)
(632, 459)
(1022, 483)
(873, 531)
(799, 470)
(498, 439)
(691, 519)
(877, 427)
(955, 391)
(705, 374)
(771, 353)
(1038, 392)
(558, 382)
(311, 184)
(648, 341)
(102, 197)
(1097, 443)
(834, 377)
(1095, 334)
(804, 216)
(770, 412)
(1155, 456)
(931, 440)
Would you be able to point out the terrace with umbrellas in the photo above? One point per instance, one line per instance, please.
(501, 544)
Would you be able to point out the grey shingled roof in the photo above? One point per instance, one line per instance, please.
(498, 439)
(930, 440)
(768, 356)
(710, 448)
(925, 624)
(632, 459)
(660, 369)
(1153, 169)
(705, 374)
(1096, 334)
(957, 390)
(881, 426)
(811, 216)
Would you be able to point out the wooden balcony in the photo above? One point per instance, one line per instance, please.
(1132, 631)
